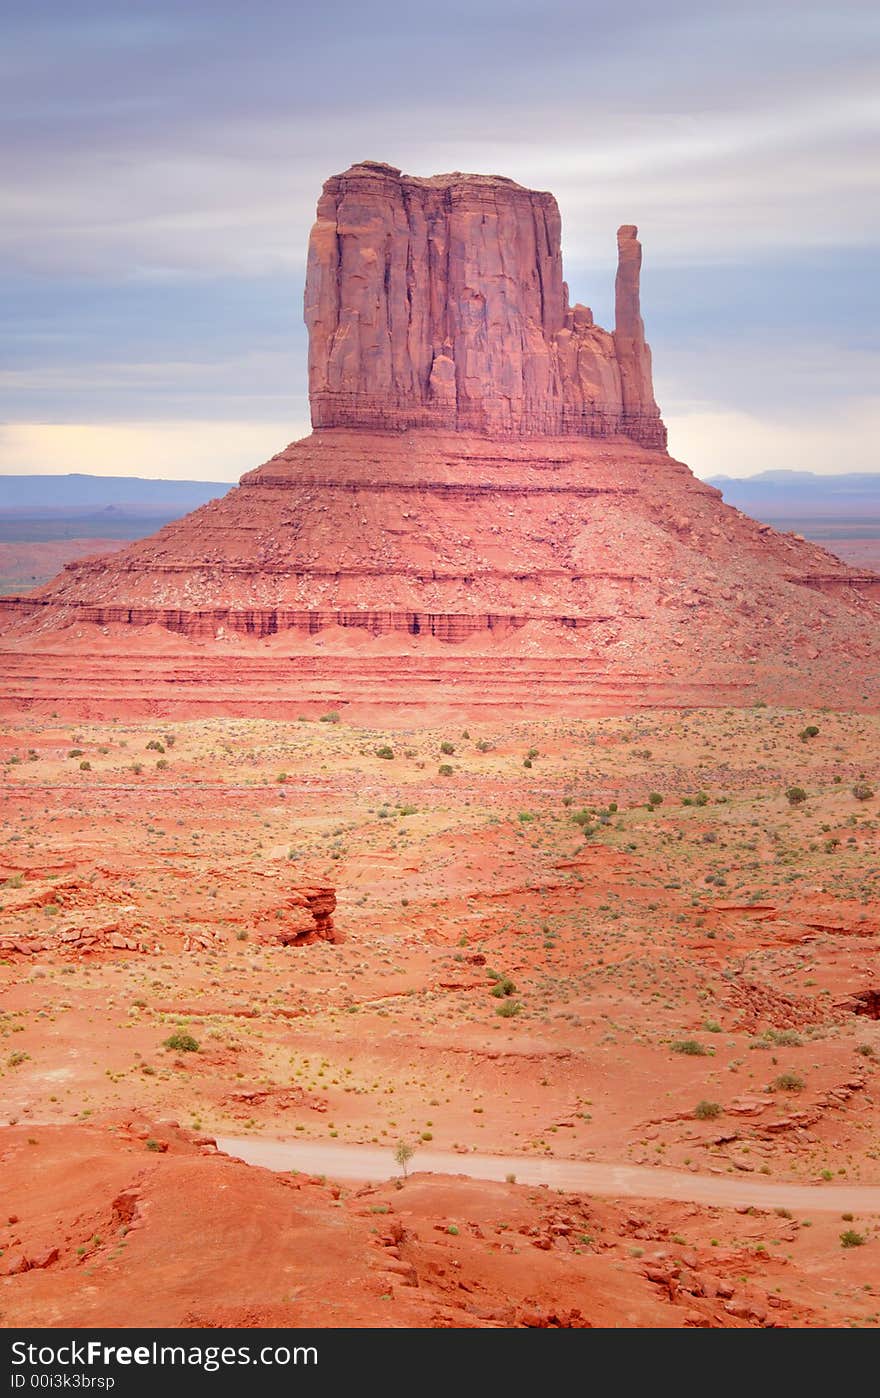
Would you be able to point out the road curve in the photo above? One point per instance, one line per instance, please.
(349, 1162)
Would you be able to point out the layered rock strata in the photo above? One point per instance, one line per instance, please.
(441, 303)
(485, 515)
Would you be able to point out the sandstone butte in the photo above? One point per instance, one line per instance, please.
(484, 518)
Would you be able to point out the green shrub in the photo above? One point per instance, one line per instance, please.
(503, 986)
(403, 1154)
(785, 1038)
(851, 1239)
(788, 1082)
(706, 1111)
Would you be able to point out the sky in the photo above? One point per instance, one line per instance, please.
(161, 163)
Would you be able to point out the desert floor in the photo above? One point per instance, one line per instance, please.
(607, 941)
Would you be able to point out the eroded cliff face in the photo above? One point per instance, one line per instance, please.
(471, 526)
(441, 303)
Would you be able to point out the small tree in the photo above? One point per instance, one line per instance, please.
(403, 1154)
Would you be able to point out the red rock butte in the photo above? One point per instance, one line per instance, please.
(440, 303)
(484, 517)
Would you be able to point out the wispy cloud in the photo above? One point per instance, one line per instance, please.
(213, 450)
(161, 166)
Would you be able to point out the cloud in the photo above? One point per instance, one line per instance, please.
(162, 165)
(733, 443)
(196, 144)
(205, 451)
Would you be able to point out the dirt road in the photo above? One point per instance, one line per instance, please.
(588, 1177)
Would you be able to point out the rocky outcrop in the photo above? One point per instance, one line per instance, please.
(440, 303)
(309, 917)
(473, 485)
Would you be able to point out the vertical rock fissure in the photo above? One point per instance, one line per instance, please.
(448, 309)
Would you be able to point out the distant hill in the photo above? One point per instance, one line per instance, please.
(40, 509)
(803, 498)
(89, 494)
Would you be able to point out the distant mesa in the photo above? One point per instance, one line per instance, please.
(484, 519)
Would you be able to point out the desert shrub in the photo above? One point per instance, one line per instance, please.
(862, 792)
(851, 1239)
(503, 986)
(785, 1038)
(689, 1047)
(788, 1082)
(706, 1111)
(182, 1042)
(795, 795)
(403, 1154)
